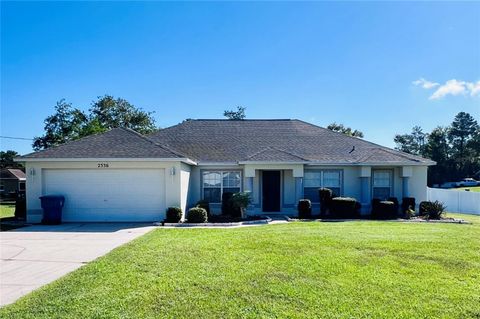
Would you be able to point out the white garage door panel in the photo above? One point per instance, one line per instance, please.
(108, 194)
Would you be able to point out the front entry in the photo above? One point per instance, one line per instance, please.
(271, 191)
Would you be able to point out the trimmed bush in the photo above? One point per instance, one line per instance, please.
(197, 215)
(204, 204)
(343, 207)
(174, 215)
(325, 195)
(375, 203)
(408, 203)
(304, 208)
(227, 203)
(395, 202)
(384, 210)
(358, 208)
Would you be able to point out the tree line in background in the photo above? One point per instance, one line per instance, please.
(455, 148)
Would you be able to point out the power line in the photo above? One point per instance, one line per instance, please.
(17, 138)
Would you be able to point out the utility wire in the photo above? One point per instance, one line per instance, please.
(17, 138)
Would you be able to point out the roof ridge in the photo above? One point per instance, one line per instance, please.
(153, 142)
(276, 149)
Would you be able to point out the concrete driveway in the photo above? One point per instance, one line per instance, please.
(33, 256)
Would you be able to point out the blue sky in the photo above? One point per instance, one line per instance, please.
(353, 63)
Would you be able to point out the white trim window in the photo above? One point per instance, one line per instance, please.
(315, 179)
(382, 184)
(215, 183)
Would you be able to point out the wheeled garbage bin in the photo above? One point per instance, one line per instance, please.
(52, 209)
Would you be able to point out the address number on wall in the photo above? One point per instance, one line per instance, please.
(102, 165)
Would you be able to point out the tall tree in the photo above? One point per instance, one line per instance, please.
(345, 130)
(63, 126)
(111, 113)
(239, 114)
(461, 131)
(6, 159)
(438, 150)
(413, 143)
(69, 123)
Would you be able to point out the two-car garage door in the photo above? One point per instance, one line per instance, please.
(108, 194)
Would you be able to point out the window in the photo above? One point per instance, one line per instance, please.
(215, 183)
(2, 188)
(313, 180)
(21, 186)
(382, 184)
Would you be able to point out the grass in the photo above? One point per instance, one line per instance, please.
(472, 189)
(360, 269)
(7, 210)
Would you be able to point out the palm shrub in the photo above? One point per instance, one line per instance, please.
(304, 208)
(240, 202)
(197, 215)
(435, 210)
(325, 195)
(173, 215)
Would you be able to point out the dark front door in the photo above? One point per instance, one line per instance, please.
(271, 191)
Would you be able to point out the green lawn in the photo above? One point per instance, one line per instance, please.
(362, 269)
(7, 210)
(472, 189)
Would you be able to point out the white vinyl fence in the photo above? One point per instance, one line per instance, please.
(457, 201)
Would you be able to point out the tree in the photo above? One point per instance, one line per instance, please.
(413, 143)
(63, 126)
(461, 131)
(239, 114)
(111, 113)
(345, 130)
(6, 159)
(438, 150)
(69, 123)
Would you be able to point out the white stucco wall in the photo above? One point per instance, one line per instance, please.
(417, 184)
(184, 185)
(35, 189)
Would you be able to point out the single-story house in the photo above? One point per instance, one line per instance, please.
(122, 175)
(12, 181)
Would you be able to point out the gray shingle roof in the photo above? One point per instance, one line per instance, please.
(234, 141)
(116, 143)
(274, 140)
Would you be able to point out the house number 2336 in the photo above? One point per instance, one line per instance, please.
(102, 165)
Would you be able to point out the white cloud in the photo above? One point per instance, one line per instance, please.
(425, 83)
(451, 87)
(474, 88)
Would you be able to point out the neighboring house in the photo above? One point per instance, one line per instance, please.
(123, 176)
(12, 181)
